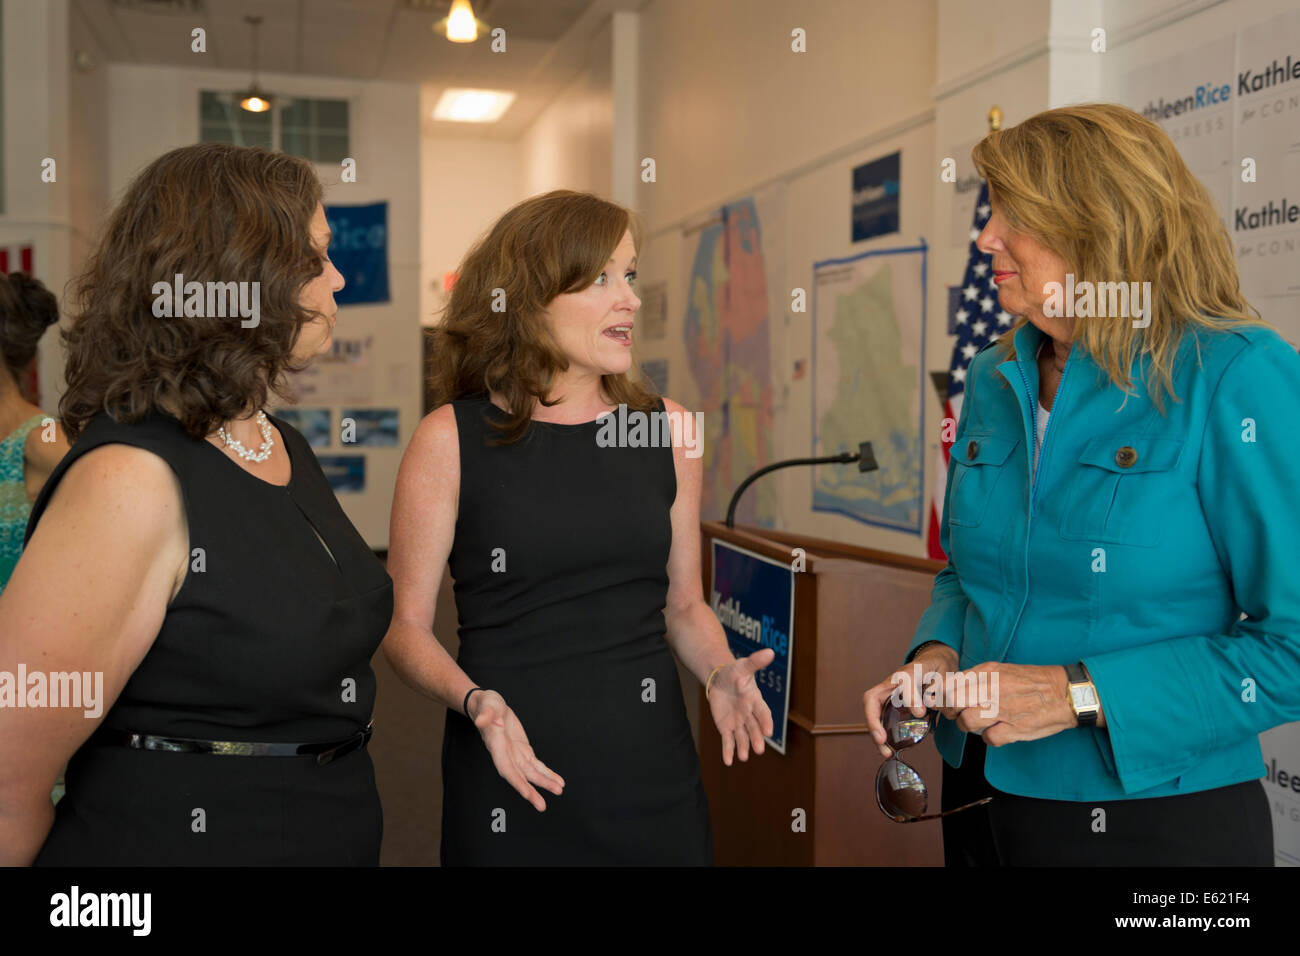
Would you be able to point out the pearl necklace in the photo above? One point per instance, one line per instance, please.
(263, 453)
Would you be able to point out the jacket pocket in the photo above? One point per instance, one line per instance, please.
(980, 462)
(1115, 496)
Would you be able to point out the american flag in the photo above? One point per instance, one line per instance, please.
(979, 320)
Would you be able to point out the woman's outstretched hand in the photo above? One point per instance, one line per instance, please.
(742, 717)
(506, 741)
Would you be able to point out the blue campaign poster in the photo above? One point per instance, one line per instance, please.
(344, 472)
(753, 597)
(876, 196)
(359, 249)
(369, 426)
(314, 423)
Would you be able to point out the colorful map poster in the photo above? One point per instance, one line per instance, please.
(868, 381)
(734, 260)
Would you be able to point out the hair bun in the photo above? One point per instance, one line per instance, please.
(27, 309)
(34, 299)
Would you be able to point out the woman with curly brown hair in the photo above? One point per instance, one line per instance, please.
(187, 559)
(576, 563)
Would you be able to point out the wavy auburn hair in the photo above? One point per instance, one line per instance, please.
(211, 213)
(543, 247)
(1107, 191)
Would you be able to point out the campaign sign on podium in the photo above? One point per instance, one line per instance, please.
(753, 597)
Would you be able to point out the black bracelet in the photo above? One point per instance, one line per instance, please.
(465, 706)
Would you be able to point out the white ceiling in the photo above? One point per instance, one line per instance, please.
(547, 43)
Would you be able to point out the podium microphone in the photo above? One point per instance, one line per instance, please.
(864, 456)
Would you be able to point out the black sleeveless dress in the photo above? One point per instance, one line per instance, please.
(270, 642)
(560, 571)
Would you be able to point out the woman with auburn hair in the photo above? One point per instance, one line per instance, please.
(223, 611)
(576, 566)
(1120, 522)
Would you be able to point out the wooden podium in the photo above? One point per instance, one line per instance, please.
(855, 613)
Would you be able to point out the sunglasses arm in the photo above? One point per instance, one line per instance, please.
(937, 816)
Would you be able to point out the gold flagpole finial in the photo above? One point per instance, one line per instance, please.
(995, 119)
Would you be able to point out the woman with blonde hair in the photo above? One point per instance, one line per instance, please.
(1120, 521)
(576, 564)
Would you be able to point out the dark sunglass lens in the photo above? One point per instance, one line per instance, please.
(902, 729)
(900, 791)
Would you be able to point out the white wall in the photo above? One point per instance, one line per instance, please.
(42, 101)
(87, 141)
(569, 145)
(725, 103)
(467, 185)
(154, 109)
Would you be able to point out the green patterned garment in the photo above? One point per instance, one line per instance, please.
(14, 506)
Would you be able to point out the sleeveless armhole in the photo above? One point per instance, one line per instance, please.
(662, 406)
(95, 436)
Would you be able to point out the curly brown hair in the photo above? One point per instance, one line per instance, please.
(545, 246)
(211, 213)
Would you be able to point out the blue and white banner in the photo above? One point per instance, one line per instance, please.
(344, 472)
(753, 597)
(359, 249)
(876, 198)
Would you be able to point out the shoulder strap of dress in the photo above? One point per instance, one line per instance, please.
(13, 447)
(22, 431)
(471, 415)
(158, 433)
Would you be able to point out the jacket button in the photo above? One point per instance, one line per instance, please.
(1126, 457)
(972, 449)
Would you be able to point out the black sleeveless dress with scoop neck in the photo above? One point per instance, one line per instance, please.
(269, 639)
(560, 570)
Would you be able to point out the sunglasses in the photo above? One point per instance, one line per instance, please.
(900, 791)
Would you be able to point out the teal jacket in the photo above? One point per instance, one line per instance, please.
(1173, 575)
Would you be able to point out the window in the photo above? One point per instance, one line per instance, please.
(317, 130)
(222, 121)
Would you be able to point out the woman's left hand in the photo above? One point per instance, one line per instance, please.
(1017, 702)
(739, 712)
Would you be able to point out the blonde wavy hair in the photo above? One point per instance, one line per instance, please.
(1107, 191)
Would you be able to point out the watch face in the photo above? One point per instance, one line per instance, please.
(1084, 696)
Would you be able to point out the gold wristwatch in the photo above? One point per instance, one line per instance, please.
(1083, 695)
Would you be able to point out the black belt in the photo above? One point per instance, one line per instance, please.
(323, 752)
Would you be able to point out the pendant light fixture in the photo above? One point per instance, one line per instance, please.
(253, 99)
(460, 25)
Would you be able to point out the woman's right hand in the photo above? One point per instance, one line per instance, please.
(936, 657)
(506, 741)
